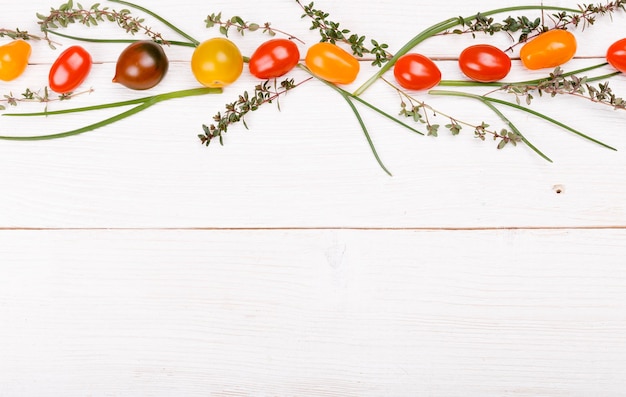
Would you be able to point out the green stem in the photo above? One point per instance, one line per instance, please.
(367, 135)
(471, 83)
(143, 103)
(90, 40)
(158, 17)
(442, 27)
(523, 109)
(516, 130)
(379, 111)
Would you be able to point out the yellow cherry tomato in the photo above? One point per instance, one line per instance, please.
(217, 62)
(332, 63)
(14, 59)
(549, 49)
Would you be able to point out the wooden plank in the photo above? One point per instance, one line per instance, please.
(332, 313)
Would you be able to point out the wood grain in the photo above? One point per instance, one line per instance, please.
(336, 312)
(136, 262)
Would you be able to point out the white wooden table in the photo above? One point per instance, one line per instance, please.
(135, 261)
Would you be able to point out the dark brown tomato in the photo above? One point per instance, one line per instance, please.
(142, 65)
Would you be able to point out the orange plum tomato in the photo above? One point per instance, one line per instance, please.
(332, 63)
(13, 59)
(274, 58)
(484, 63)
(142, 65)
(548, 50)
(416, 72)
(216, 62)
(616, 55)
(69, 70)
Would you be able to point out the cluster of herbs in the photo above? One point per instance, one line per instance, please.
(15, 34)
(557, 83)
(332, 32)
(236, 111)
(240, 26)
(68, 13)
(41, 96)
(561, 83)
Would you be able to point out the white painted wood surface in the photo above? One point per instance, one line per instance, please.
(135, 261)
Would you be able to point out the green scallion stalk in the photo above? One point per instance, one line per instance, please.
(142, 104)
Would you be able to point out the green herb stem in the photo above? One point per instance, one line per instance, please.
(349, 97)
(523, 109)
(516, 130)
(91, 40)
(442, 27)
(143, 103)
(158, 17)
(471, 83)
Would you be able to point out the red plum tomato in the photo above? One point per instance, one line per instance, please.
(69, 70)
(13, 59)
(332, 63)
(416, 72)
(216, 62)
(616, 55)
(142, 65)
(274, 58)
(484, 63)
(548, 50)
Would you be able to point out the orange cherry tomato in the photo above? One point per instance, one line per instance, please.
(484, 63)
(416, 72)
(549, 49)
(274, 58)
(616, 55)
(332, 63)
(69, 70)
(14, 59)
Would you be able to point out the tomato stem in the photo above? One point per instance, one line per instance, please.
(442, 27)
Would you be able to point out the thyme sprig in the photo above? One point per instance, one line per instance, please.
(67, 14)
(332, 32)
(236, 111)
(585, 16)
(422, 113)
(236, 22)
(560, 83)
(18, 34)
(42, 96)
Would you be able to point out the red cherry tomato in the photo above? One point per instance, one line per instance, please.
(616, 55)
(69, 70)
(484, 63)
(548, 50)
(416, 72)
(274, 58)
(332, 63)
